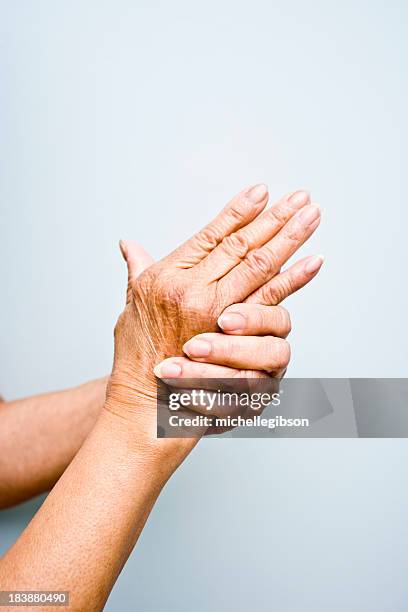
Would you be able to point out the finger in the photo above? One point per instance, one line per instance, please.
(175, 370)
(260, 265)
(235, 247)
(284, 284)
(255, 320)
(241, 210)
(137, 260)
(249, 352)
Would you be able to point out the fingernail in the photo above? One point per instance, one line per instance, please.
(314, 263)
(232, 321)
(257, 193)
(315, 225)
(167, 370)
(308, 214)
(197, 348)
(299, 198)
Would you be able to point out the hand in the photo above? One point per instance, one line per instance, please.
(247, 319)
(183, 295)
(260, 350)
(252, 355)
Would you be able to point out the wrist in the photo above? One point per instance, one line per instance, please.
(136, 434)
(132, 379)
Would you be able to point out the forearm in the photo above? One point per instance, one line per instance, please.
(95, 514)
(40, 435)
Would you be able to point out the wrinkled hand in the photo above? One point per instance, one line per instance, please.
(236, 257)
(248, 348)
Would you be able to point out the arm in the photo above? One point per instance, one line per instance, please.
(95, 514)
(40, 435)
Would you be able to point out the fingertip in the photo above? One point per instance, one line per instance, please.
(232, 322)
(300, 197)
(313, 264)
(257, 193)
(197, 347)
(167, 370)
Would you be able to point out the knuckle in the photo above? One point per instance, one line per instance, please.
(295, 230)
(236, 244)
(278, 214)
(208, 237)
(260, 260)
(278, 353)
(196, 310)
(270, 296)
(283, 353)
(285, 323)
(278, 290)
(228, 348)
(260, 320)
(238, 209)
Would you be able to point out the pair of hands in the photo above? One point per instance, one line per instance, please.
(225, 277)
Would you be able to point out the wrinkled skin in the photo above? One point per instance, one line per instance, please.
(231, 260)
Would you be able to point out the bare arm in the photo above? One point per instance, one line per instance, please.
(88, 525)
(40, 435)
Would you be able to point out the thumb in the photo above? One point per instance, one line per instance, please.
(137, 260)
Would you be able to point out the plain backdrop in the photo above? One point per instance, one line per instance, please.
(124, 119)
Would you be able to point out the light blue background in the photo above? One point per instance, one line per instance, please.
(140, 119)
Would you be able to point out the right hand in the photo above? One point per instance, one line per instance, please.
(227, 262)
